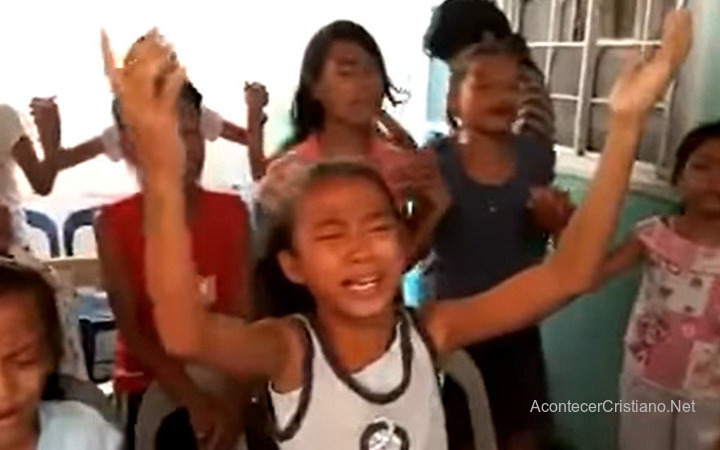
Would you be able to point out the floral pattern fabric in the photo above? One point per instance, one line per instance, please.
(673, 337)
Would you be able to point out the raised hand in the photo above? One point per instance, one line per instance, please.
(256, 96)
(147, 87)
(550, 209)
(47, 120)
(641, 84)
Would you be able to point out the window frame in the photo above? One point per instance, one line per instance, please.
(590, 47)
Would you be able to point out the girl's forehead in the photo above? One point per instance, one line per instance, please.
(342, 198)
(709, 148)
(344, 50)
(19, 322)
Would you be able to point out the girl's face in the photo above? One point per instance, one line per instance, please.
(350, 86)
(699, 183)
(488, 97)
(190, 132)
(24, 366)
(347, 248)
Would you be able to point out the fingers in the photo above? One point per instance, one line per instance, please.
(174, 82)
(111, 71)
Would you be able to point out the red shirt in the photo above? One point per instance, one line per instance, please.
(219, 239)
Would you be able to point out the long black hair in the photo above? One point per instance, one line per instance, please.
(457, 24)
(307, 114)
(275, 295)
(694, 140)
(17, 279)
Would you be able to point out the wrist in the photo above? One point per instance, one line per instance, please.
(627, 120)
(256, 116)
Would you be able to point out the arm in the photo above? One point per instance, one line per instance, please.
(40, 174)
(234, 133)
(170, 372)
(394, 132)
(572, 269)
(73, 156)
(6, 230)
(256, 98)
(621, 259)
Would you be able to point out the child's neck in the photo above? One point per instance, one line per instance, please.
(342, 139)
(485, 157)
(357, 343)
(28, 441)
(700, 228)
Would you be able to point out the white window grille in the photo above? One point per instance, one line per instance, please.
(593, 27)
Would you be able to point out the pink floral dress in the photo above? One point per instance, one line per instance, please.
(673, 336)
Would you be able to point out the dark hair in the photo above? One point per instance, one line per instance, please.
(511, 45)
(188, 95)
(457, 24)
(694, 140)
(16, 279)
(307, 114)
(276, 296)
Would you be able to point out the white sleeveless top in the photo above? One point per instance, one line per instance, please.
(391, 404)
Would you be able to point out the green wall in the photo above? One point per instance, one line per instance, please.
(707, 48)
(583, 342)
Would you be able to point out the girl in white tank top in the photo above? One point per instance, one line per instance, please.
(353, 372)
(389, 404)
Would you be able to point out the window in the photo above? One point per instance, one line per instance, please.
(580, 44)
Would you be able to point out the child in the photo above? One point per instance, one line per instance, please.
(343, 82)
(457, 24)
(17, 149)
(488, 233)
(212, 126)
(354, 371)
(30, 351)
(220, 240)
(671, 344)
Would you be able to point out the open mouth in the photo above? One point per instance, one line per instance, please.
(363, 285)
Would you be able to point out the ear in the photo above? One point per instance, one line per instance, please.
(452, 100)
(290, 266)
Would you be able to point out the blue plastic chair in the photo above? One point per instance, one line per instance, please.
(44, 223)
(75, 221)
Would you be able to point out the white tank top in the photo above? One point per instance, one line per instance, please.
(391, 404)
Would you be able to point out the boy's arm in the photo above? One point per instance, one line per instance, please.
(256, 98)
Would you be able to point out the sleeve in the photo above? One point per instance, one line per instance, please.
(111, 142)
(211, 124)
(11, 130)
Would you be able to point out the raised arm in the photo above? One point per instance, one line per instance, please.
(394, 132)
(256, 98)
(47, 121)
(148, 91)
(572, 269)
